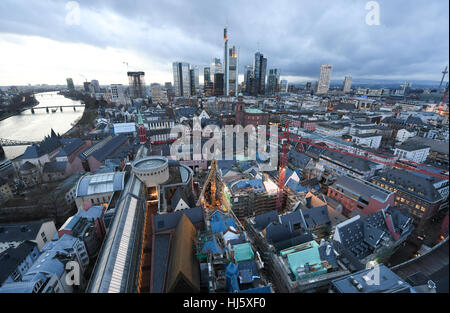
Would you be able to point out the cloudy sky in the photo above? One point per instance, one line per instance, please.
(45, 41)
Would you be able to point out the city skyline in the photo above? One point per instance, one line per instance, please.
(150, 40)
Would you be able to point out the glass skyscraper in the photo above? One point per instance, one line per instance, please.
(181, 79)
(259, 82)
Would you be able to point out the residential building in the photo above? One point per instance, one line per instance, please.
(368, 140)
(118, 94)
(48, 273)
(423, 195)
(412, 151)
(87, 225)
(12, 235)
(341, 164)
(404, 134)
(359, 196)
(16, 261)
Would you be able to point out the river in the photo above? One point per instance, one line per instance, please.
(34, 127)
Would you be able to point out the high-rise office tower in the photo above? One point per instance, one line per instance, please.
(86, 86)
(283, 85)
(206, 75)
(248, 78)
(259, 83)
(216, 66)
(226, 63)
(273, 81)
(233, 72)
(70, 84)
(136, 82)
(95, 85)
(324, 80)
(194, 80)
(219, 84)
(158, 94)
(181, 79)
(347, 84)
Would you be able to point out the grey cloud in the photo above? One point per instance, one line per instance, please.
(295, 36)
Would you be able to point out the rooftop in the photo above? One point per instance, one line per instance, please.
(100, 183)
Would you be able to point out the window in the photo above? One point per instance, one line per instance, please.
(44, 238)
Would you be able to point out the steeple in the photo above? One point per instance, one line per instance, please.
(140, 120)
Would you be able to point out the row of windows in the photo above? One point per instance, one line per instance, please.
(150, 174)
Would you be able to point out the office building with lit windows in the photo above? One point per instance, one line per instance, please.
(423, 195)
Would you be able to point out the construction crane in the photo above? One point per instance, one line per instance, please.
(392, 161)
(444, 98)
(282, 168)
(444, 72)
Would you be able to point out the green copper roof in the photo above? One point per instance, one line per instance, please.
(253, 111)
(140, 121)
(243, 252)
(309, 253)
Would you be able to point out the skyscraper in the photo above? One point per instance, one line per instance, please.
(273, 81)
(136, 83)
(70, 85)
(95, 85)
(233, 72)
(87, 86)
(158, 95)
(283, 85)
(259, 83)
(226, 63)
(206, 75)
(181, 79)
(324, 80)
(248, 78)
(218, 84)
(216, 66)
(194, 80)
(347, 84)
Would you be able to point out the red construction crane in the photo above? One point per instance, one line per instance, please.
(392, 161)
(282, 167)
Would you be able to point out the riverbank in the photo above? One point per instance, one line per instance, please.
(27, 107)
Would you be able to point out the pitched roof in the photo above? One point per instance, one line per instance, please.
(414, 183)
(169, 221)
(54, 167)
(20, 231)
(70, 147)
(184, 269)
(262, 220)
(11, 258)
